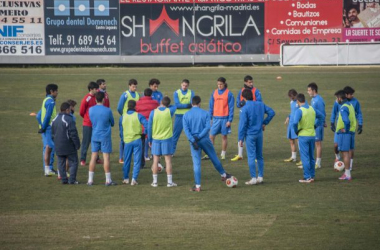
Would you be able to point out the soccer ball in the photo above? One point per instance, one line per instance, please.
(339, 166)
(232, 182)
(160, 168)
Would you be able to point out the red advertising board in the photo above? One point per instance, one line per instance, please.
(313, 21)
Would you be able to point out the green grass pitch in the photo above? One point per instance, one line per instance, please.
(39, 213)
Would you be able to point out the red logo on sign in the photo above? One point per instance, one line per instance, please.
(164, 17)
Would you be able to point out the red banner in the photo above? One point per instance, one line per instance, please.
(313, 21)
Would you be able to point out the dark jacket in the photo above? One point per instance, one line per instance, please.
(65, 135)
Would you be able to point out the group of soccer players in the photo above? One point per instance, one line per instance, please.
(146, 123)
(306, 123)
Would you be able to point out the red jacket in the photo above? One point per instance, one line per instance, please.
(145, 105)
(87, 102)
(106, 99)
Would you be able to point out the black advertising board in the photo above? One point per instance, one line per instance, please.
(82, 27)
(173, 28)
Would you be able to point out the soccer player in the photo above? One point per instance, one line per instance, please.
(157, 96)
(103, 88)
(334, 114)
(102, 120)
(66, 141)
(345, 127)
(131, 131)
(196, 124)
(291, 134)
(221, 108)
(182, 99)
(51, 162)
(144, 106)
(153, 85)
(358, 116)
(48, 113)
(122, 106)
(248, 84)
(88, 101)
(251, 127)
(160, 134)
(72, 108)
(304, 122)
(72, 104)
(317, 103)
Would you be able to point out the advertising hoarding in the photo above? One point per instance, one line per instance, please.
(361, 21)
(22, 28)
(199, 28)
(82, 27)
(183, 31)
(313, 21)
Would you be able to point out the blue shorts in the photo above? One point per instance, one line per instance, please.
(290, 132)
(46, 138)
(346, 142)
(104, 146)
(319, 131)
(335, 138)
(219, 126)
(164, 147)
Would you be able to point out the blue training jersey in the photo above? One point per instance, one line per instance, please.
(358, 111)
(73, 116)
(157, 95)
(335, 112)
(196, 122)
(252, 118)
(38, 117)
(293, 109)
(318, 103)
(102, 120)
